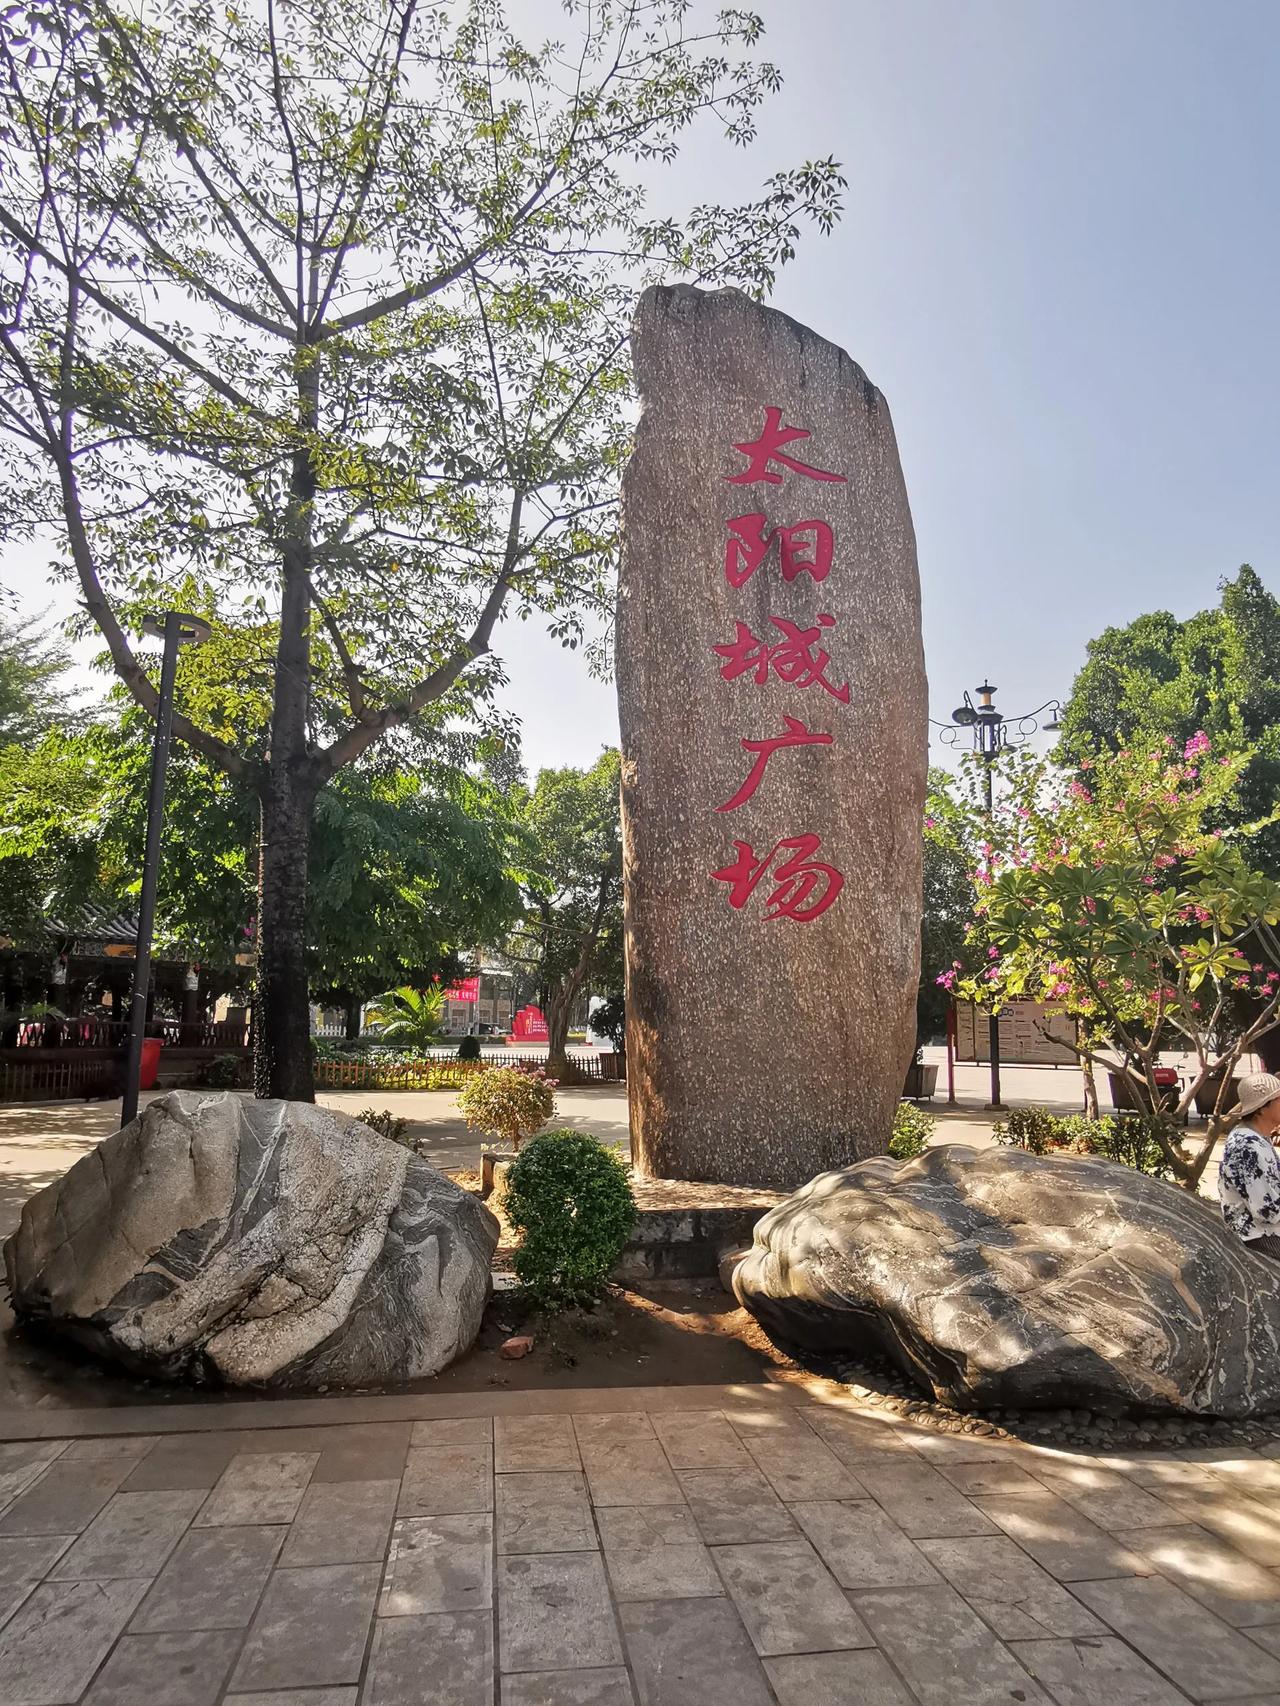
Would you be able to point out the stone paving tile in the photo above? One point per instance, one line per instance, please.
(554, 1612)
(1012, 1594)
(131, 1535)
(63, 1502)
(373, 1452)
(788, 1599)
(24, 1560)
(630, 1473)
(1096, 1672)
(941, 1448)
(692, 1652)
(613, 1427)
(166, 1670)
(447, 1480)
(296, 1697)
(943, 1649)
(568, 1688)
(1062, 1541)
(50, 1649)
(1261, 1475)
(442, 1660)
(258, 1487)
(854, 1439)
(546, 1511)
(439, 1563)
(798, 1465)
(861, 1678)
(1204, 1656)
(1268, 1638)
(186, 1460)
(310, 1629)
(735, 1506)
(213, 1580)
(21, 1461)
(534, 1442)
(1231, 1585)
(114, 1448)
(863, 1547)
(975, 1479)
(1107, 1499)
(700, 1439)
(342, 1522)
(922, 1502)
(1247, 1524)
(454, 1430)
(654, 1552)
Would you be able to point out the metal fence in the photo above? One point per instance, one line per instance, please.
(446, 1072)
(71, 1074)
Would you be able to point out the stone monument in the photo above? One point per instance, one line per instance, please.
(773, 706)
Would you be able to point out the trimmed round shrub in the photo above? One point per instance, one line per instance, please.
(912, 1129)
(570, 1198)
(469, 1048)
(508, 1104)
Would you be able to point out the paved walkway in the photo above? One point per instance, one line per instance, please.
(703, 1547)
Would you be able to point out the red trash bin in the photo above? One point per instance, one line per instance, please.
(151, 1047)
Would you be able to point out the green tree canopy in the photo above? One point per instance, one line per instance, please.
(571, 930)
(1219, 672)
(948, 899)
(33, 680)
(327, 305)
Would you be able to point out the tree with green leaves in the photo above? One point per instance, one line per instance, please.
(1108, 897)
(33, 680)
(1218, 672)
(407, 870)
(948, 899)
(571, 929)
(327, 307)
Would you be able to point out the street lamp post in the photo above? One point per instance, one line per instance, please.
(175, 630)
(991, 734)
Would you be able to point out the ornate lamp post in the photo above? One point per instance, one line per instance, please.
(175, 630)
(990, 734)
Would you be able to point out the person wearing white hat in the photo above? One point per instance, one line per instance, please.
(1249, 1174)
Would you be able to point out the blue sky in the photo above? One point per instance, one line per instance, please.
(1060, 261)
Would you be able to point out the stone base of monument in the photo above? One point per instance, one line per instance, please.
(684, 1229)
(998, 1279)
(495, 1164)
(270, 1244)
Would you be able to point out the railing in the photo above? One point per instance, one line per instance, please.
(87, 1032)
(72, 1075)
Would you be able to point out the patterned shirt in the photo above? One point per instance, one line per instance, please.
(1249, 1184)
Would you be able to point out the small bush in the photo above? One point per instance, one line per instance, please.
(1133, 1140)
(912, 1129)
(469, 1048)
(387, 1124)
(508, 1104)
(570, 1198)
(223, 1072)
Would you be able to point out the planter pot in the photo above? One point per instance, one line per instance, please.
(921, 1082)
(1207, 1095)
(1136, 1098)
(494, 1166)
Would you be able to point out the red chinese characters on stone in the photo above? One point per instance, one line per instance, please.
(805, 547)
(796, 658)
(803, 886)
(760, 452)
(796, 735)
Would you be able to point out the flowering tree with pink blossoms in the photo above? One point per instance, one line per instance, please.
(1108, 895)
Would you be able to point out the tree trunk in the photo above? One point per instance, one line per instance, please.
(282, 1017)
(1090, 1090)
(557, 1010)
(354, 1005)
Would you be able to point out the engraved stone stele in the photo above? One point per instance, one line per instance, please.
(773, 708)
(996, 1277)
(255, 1244)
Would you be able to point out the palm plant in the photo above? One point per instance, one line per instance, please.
(412, 1017)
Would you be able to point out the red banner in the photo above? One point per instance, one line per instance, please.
(466, 989)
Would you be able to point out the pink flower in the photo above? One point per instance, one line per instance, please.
(946, 979)
(930, 823)
(1078, 791)
(993, 953)
(1198, 743)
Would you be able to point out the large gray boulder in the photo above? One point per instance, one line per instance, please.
(994, 1277)
(255, 1243)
